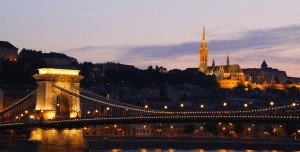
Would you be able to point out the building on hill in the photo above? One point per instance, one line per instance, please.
(53, 59)
(265, 74)
(293, 80)
(8, 51)
(228, 76)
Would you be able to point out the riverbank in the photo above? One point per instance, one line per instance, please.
(192, 143)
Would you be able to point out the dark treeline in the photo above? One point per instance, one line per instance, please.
(30, 60)
(146, 77)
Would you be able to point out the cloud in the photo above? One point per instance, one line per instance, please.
(277, 45)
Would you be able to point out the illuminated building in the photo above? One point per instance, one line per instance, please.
(265, 74)
(203, 54)
(53, 103)
(228, 76)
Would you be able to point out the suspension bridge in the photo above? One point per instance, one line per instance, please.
(58, 103)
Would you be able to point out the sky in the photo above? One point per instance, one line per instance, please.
(152, 32)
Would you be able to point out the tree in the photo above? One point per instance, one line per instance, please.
(290, 129)
(238, 129)
(211, 128)
(189, 129)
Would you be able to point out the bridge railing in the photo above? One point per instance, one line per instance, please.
(106, 102)
(21, 101)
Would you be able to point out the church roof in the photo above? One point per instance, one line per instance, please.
(264, 64)
(234, 68)
(5, 44)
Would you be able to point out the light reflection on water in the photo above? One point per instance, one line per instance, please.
(52, 140)
(178, 150)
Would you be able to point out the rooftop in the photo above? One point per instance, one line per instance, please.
(5, 44)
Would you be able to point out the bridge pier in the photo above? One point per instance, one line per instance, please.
(53, 103)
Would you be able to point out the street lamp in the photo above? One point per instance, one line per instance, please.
(26, 111)
(77, 111)
(225, 104)
(272, 103)
(294, 104)
(245, 105)
(201, 106)
(107, 109)
(165, 107)
(181, 105)
(146, 106)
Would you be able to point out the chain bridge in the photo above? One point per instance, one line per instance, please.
(59, 102)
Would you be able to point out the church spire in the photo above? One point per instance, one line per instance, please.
(213, 63)
(203, 54)
(203, 36)
(227, 59)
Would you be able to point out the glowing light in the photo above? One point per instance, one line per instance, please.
(225, 104)
(58, 71)
(271, 103)
(31, 116)
(202, 106)
(107, 108)
(181, 105)
(165, 107)
(146, 106)
(245, 105)
(26, 111)
(96, 111)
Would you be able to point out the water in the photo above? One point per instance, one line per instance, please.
(55, 140)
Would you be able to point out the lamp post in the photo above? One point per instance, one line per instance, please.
(77, 111)
(96, 113)
(107, 111)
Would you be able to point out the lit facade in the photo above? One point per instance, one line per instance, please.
(228, 76)
(203, 54)
(53, 103)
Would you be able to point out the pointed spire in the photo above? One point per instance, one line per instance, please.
(264, 65)
(213, 63)
(227, 59)
(203, 36)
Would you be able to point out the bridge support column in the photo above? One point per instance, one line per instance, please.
(52, 102)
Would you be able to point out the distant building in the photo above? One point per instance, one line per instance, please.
(293, 80)
(53, 59)
(8, 51)
(265, 74)
(228, 76)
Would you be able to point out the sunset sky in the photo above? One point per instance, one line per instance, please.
(152, 32)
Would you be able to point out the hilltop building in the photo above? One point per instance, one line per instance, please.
(8, 51)
(228, 76)
(231, 75)
(265, 74)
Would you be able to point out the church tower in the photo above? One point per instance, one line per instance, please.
(203, 54)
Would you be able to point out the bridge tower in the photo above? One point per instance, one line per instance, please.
(53, 103)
